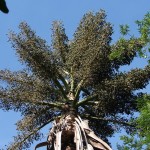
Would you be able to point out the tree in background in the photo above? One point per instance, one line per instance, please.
(3, 6)
(70, 80)
(140, 139)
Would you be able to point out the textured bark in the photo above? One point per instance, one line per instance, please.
(70, 132)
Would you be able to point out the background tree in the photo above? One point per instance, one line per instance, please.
(72, 78)
(140, 139)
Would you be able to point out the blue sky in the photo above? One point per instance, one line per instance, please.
(40, 14)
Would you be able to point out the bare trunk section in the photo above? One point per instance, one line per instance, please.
(70, 132)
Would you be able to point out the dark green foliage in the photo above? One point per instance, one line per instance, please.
(140, 139)
(3, 6)
(124, 29)
(144, 30)
(124, 51)
(144, 27)
(82, 73)
(143, 121)
(131, 143)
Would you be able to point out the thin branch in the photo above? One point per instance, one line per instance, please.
(109, 120)
(64, 82)
(92, 102)
(84, 101)
(78, 89)
(60, 88)
(85, 91)
(77, 92)
(66, 72)
(36, 130)
(72, 81)
(43, 103)
(52, 105)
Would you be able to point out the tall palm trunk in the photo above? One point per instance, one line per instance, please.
(70, 132)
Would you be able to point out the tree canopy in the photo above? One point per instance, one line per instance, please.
(82, 74)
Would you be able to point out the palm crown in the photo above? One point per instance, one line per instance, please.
(78, 76)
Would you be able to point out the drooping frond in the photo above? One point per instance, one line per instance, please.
(34, 52)
(23, 89)
(118, 94)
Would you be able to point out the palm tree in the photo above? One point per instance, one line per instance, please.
(70, 80)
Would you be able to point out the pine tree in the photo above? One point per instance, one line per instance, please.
(70, 80)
